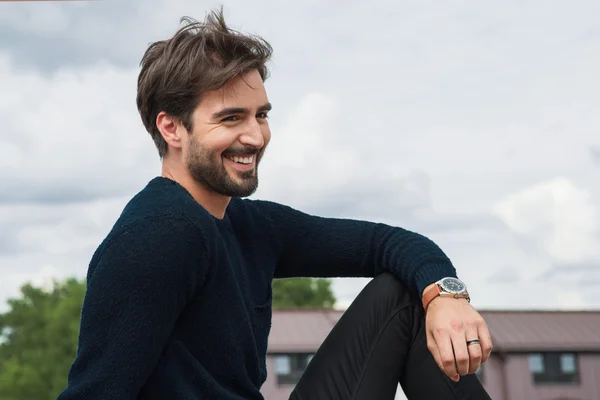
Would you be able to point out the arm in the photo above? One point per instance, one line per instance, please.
(137, 287)
(311, 246)
(326, 247)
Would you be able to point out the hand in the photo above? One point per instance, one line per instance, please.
(450, 323)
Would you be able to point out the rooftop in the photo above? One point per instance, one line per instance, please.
(512, 331)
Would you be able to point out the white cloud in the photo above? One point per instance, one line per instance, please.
(299, 155)
(556, 216)
(70, 132)
(52, 240)
(452, 121)
(45, 277)
(44, 18)
(571, 299)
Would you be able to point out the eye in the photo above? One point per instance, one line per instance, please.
(262, 115)
(231, 118)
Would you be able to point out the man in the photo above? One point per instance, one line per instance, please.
(178, 303)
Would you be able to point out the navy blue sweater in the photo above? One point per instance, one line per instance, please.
(178, 303)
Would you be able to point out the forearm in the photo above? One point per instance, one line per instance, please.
(327, 247)
(414, 258)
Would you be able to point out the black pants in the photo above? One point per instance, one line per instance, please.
(379, 342)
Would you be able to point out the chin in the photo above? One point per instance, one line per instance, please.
(246, 189)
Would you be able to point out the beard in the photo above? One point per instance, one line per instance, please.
(208, 169)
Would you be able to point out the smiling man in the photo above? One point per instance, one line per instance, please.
(178, 303)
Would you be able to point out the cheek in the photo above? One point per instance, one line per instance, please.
(266, 132)
(187, 146)
(217, 144)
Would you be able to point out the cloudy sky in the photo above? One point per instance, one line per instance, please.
(474, 123)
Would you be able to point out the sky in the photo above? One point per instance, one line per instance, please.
(473, 123)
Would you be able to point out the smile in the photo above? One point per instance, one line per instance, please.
(241, 160)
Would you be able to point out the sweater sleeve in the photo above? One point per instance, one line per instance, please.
(137, 286)
(312, 246)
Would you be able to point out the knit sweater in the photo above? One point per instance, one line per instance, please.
(178, 302)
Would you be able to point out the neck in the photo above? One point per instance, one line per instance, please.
(214, 203)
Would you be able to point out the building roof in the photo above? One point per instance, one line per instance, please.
(301, 330)
(544, 330)
(512, 331)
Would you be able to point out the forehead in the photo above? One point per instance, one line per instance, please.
(246, 91)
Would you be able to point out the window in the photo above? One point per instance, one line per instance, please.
(567, 363)
(536, 363)
(554, 367)
(290, 367)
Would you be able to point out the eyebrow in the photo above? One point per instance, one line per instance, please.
(238, 110)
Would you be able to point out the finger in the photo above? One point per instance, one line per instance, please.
(434, 350)
(444, 345)
(486, 341)
(474, 350)
(461, 354)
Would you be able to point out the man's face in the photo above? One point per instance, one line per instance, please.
(229, 136)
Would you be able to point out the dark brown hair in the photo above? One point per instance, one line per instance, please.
(200, 57)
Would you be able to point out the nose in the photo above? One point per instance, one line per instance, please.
(253, 135)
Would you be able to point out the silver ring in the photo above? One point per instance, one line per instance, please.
(473, 341)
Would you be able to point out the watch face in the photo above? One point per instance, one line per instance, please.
(453, 285)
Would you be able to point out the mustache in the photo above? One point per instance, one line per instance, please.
(242, 151)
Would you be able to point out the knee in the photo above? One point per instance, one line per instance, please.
(387, 282)
(389, 288)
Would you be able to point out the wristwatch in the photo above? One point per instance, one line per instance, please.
(446, 287)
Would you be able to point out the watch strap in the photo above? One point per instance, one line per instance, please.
(436, 290)
(431, 294)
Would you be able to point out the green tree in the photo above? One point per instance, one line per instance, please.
(303, 293)
(38, 340)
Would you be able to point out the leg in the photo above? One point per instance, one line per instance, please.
(380, 341)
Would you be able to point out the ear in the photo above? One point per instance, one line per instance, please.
(170, 129)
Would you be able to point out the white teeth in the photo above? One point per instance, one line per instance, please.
(242, 160)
